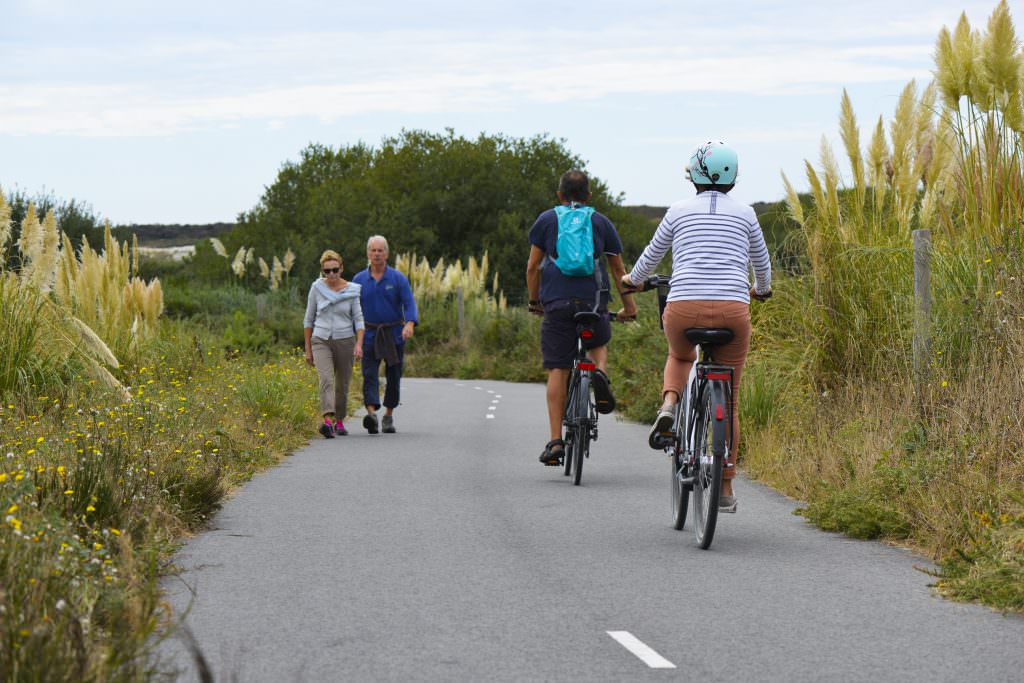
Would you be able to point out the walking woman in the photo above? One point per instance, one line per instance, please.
(333, 329)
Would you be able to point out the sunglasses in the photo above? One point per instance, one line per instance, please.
(331, 270)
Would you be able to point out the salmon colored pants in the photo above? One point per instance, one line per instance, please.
(679, 316)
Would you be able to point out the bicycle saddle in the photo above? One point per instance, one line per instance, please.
(709, 336)
(586, 317)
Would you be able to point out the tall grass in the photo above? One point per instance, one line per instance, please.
(100, 474)
(942, 467)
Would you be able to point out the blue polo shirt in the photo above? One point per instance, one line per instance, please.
(553, 284)
(386, 300)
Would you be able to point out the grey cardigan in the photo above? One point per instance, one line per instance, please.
(333, 315)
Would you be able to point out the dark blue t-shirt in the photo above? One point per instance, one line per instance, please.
(553, 284)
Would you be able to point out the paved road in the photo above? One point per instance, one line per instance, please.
(446, 552)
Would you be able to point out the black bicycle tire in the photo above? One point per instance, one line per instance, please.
(707, 484)
(680, 492)
(570, 423)
(582, 440)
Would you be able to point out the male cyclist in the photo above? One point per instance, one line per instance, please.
(714, 241)
(558, 297)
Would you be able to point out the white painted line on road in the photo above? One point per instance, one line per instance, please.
(490, 391)
(497, 396)
(479, 388)
(492, 407)
(642, 651)
(490, 416)
(495, 401)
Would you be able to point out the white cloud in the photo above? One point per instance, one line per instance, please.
(166, 88)
(152, 82)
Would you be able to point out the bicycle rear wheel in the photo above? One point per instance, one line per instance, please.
(581, 442)
(569, 418)
(709, 444)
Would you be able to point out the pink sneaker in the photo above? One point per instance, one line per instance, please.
(339, 429)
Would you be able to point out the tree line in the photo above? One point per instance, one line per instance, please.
(436, 194)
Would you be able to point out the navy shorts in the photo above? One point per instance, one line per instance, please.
(558, 332)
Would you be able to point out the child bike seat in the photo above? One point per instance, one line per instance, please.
(709, 336)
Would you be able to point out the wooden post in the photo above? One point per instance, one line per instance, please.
(462, 312)
(922, 307)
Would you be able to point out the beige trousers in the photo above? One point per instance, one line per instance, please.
(734, 315)
(333, 360)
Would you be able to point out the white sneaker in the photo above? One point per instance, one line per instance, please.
(727, 503)
(662, 426)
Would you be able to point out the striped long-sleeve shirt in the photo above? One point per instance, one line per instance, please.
(714, 242)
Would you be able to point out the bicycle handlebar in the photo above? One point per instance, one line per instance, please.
(661, 283)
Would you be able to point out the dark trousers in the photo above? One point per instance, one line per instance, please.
(371, 378)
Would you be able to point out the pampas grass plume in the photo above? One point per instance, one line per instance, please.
(218, 247)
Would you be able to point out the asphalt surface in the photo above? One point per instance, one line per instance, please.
(447, 552)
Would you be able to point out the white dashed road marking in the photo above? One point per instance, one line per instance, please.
(642, 651)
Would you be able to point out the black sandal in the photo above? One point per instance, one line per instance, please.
(553, 453)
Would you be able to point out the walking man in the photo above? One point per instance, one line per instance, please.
(389, 312)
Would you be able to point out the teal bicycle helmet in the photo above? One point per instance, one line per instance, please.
(713, 163)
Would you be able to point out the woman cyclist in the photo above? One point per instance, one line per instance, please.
(714, 241)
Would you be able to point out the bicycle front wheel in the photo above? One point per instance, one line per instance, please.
(567, 453)
(680, 471)
(680, 491)
(709, 445)
(581, 440)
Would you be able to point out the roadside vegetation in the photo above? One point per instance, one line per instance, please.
(119, 433)
(838, 417)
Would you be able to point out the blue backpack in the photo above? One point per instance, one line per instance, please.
(575, 246)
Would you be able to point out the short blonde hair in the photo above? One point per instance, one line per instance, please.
(330, 255)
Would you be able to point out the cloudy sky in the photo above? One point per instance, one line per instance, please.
(184, 111)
